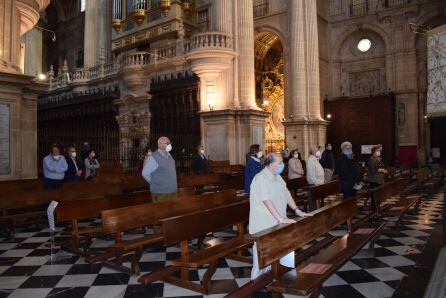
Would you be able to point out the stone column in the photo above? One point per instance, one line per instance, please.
(18, 92)
(97, 32)
(9, 37)
(245, 39)
(304, 126)
(222, 16)
(297, 106)
(33, 52)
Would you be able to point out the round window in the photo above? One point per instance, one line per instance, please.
(364, 45)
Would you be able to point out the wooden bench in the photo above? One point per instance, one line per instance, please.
(318, 194)
(298, 188)
(120, 220)
(308, 277)
(199, 181)
(382, 194)
(182, 228)
(27, 207)
(73, 211)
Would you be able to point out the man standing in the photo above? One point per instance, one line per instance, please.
(160, 172)
(348, 171)
(75, 166)
(199, 162)
(54, 168)
(327, 163)
(315, 172)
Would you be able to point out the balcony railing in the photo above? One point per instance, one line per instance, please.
(136, 59)
(261, 8)
(209, 40)
(359, 8)
(392, 3)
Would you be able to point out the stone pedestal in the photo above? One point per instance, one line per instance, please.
(302, 134)
(18, 101)
(227, 134)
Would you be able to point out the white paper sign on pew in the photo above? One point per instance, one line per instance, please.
(50, 213)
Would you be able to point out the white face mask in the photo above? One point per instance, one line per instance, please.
(169, 148)
(378, 153)
(73, 154)
(149, 153)
(318, 154)
(56, 157)
(259, 154)
(202, 151)
(92, 155)
(329, 148)
(296, 156)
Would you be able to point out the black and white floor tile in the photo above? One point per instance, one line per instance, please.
(25, 269)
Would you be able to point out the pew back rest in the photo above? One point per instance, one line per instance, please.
(133, 217)
(80, 190)
(296, 183)
(324, 190)
(193, 225)
(25, 199)
(276, 242)
(199, 179)
(436, 170)
(84, 208)
(422, 175)
(388, 190)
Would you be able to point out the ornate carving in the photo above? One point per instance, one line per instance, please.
(365, 83)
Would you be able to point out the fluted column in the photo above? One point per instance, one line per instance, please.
(297, 105)
(312, 57)
(97, 31)
(9, 37)
(222, 16)
(245, 39)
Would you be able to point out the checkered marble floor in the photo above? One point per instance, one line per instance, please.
(25, 269)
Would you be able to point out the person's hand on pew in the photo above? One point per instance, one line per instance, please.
(286, 220)
(301, 213)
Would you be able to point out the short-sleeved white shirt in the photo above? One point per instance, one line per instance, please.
(266, 186)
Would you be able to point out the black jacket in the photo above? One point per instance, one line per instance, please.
(199, 164)
(349, 174)
(327, 160)
(70, 174)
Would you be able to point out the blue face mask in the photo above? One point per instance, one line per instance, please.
(348, 153)
(279, 170)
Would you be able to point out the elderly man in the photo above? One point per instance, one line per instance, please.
(268, 204)
(160, 172)
(199, 162)
(315, 172)
(54, 168)
(348, 171)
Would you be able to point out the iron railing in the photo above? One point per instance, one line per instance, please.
(392, 3)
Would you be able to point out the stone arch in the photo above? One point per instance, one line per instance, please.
(362, 27)
(423, 19)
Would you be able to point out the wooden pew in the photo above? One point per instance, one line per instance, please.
(298, 188)
(120, 220)
(180, 229)
(278, 241)
(27, 207)
(186, 180)
(397, 187)
(318, 194)
(73, 211)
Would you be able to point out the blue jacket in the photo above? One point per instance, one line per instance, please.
(252, 168)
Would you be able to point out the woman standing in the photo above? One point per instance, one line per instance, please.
(375, 171)
(295, 169)
(91, 165)
(253, 166)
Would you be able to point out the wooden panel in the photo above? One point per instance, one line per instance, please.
(363, 121)
(199, 223)
(274, 243)
(195, 180)
(324, 190)
(388, 190)
(133, 217)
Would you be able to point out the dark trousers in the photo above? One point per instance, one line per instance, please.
(348, 193)
(52, 183)
(74, 179)
(372, 199)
